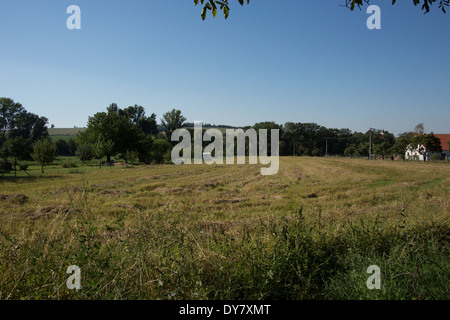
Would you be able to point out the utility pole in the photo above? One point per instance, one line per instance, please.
(370, 147)
(326, 147)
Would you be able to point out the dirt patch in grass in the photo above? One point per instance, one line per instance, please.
(167, 190)
(209, 185)
(123, 206)
(224, 201)
(224, 226)
(311, 196)
(127, 206)
(65, 190)
(14, 198)
(111, 192)
(143, 179)
(47, 211)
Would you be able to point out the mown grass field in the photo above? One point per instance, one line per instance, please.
(226, 232)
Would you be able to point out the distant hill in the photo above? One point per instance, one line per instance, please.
(64, 131)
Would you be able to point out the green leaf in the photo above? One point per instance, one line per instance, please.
(226, 11)
(203, 13)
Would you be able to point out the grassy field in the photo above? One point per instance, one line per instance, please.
(226, 232)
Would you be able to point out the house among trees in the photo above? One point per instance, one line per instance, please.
(427, 147)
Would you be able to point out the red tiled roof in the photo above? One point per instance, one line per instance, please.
(445, 138)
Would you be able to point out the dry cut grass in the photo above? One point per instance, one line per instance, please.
(213, 232)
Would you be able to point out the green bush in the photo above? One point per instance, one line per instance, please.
(436, 157)
(68, 164)
(85, 152)
(160, 152)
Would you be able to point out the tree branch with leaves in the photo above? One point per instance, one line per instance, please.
(215, 5)
(426, 4)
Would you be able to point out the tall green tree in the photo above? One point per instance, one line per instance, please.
(114, 127)
(419, 129)
(426, 143)
(29, 126)
(9, 111)
(18, 148)
(134, 113)
(384, 149)
(268, 125)
(44, 152)
(402, 143)
(137, 116)
(102, 147)
(350, 150)
(172, 121)
(363, 149)
(17, 122)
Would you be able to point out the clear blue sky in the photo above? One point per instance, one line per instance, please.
(284, 60)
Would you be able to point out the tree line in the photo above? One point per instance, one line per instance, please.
(131, 135)
(311, 139)
(23, 136)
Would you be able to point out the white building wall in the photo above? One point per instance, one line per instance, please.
(415, 155)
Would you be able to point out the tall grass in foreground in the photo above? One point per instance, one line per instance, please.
(162, 255)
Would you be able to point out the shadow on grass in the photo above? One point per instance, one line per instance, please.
(11, 178)
(29, 178)
(50, 173)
